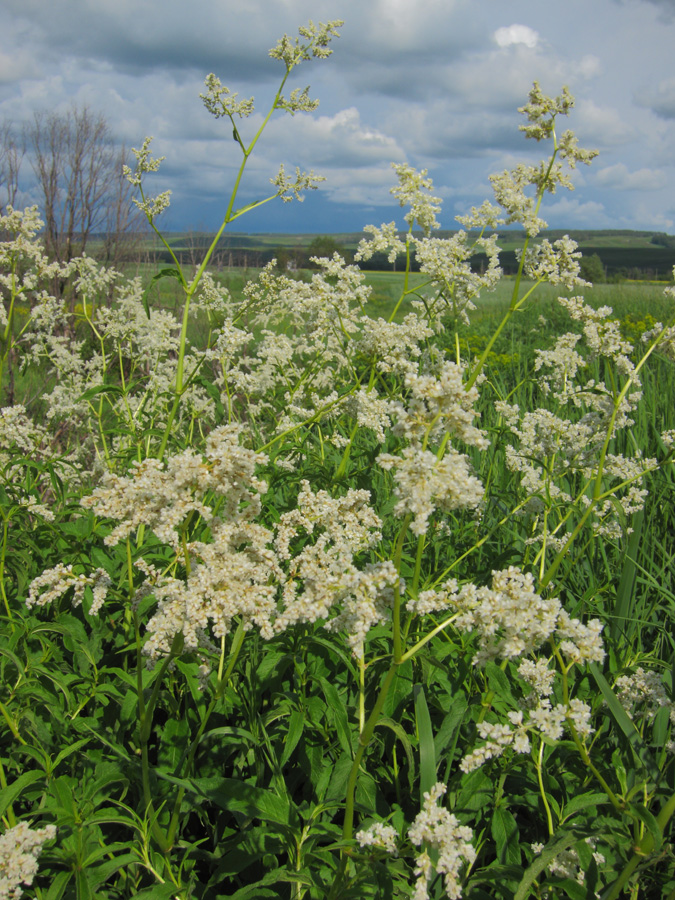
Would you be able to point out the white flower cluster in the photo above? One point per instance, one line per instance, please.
(220, 101)
(312, 42)
(538, 675)
(567, 863)
(509, 617)
(510, 620)
(447, 262)
(414, 190)
(20, 848)
(24, 267)
(393, 346)
(439, 830)
(139, 350)
(379, 835)
(53, 583)
(309, 337)
(545, 719)
(602, 333)
(510, 188)
(643, 694)
(384, 239)
(234, 575)
(425, 483)
(289, 189)
(438, 403)
(18, 432)
(244, 569)
(160, 495)
(580, 643)
(497, 738)
(556, 263)
(430, 601)
(370, 411)
(323, 575)
(552, 447)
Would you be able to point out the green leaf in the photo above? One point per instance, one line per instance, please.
(583, 801)
(400, 732)
(652, 825)
(101, 873)
(229, 731)
(99, 389)
(58, 886)
(555, 846)
(296, 725)
(67, 751)
(447, 733)
(275, 876)
(253, 891)
(625, 723)
(82, 887)
(237, 796)
(506, 836)
(163, 273)
(157, 892)
(619, 622)
(426, 739)
(9, 794)
(574, 890)
(500, 684)
(475, 793)
(340, 718)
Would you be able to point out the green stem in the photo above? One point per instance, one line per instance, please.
(223, 679)
(516, 302)
(583, 752)
(342, 468)
(364, 739)
(542, 790)
(409, 654)
(3, 555)
(396, 615)
(617, 404)
(643, 850)
(11, 818)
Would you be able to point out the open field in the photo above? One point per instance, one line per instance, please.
(623, 253)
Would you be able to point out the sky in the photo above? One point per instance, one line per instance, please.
(435, 84)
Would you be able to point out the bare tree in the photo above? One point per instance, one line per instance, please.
(78, 168)
(12, 150)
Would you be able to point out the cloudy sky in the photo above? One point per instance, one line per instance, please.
(434, 83)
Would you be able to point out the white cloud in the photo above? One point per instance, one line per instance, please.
(590, 66)
(516, 34)
(573, 213)
(601, 126)
(16, 66)
(369, 185)
(339, 139)
(662, 100)
(619, 178)
(434, 82)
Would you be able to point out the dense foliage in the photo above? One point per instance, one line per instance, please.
(305, 603)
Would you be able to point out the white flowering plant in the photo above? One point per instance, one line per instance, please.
(323, 605)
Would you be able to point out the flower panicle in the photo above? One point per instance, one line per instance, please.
(313, 41)
(220, 101)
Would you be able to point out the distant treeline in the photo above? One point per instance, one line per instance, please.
(617, 262)
(616, 254)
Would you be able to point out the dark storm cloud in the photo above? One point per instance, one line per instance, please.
(433, 82)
